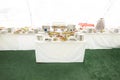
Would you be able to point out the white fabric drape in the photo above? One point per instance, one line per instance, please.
(60, 51)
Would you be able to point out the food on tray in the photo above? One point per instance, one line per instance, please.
(17, 31)
(63, 38)
(1, 28)
(70, 33)
(53, 33)
(55, 39)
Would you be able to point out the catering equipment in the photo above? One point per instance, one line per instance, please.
(70, 27)
(46, 28)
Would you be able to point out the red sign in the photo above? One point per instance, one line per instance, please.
(86, 24)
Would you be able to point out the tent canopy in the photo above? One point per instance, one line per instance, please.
(41, 12)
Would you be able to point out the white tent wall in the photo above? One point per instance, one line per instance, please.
(19, 13)
(112, 17)
(68, 11)
(14, 13)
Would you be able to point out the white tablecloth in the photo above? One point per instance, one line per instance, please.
(69, 51)
(27, 41)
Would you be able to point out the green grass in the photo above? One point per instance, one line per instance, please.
(103, 64)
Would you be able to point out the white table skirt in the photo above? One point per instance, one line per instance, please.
(17, 41)
(60, 51)
(102, 41)
(27, 41)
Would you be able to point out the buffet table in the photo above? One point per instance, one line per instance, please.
(63, 51)
(69, 51)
